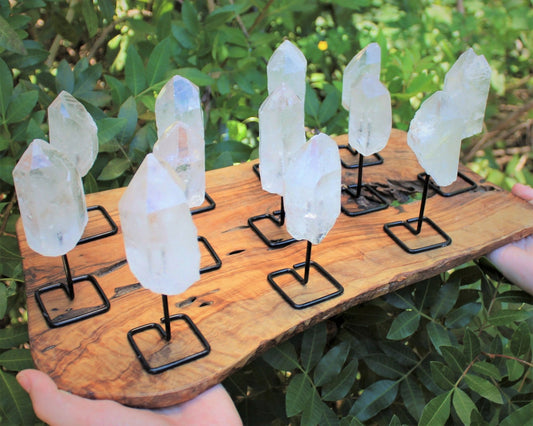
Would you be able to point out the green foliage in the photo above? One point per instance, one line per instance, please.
(456, 348)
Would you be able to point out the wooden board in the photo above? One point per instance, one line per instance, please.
(235, 307)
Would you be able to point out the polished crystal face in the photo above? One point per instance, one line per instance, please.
(281, 133)
(287, 65)
(50, 198)
(370, 117)
(313, 189)
(73, 131)
(160, 237)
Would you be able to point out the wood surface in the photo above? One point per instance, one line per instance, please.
(234, 307)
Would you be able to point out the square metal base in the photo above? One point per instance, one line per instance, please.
(85, 313)
(407, 224)
(160, 368)
(339, 288)
(113, 226)
(274, 219)
(471, 185)
(378, 159)
(351, 190)
(210, 205)
(213, 254)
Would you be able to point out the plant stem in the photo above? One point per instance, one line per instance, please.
(521, 361)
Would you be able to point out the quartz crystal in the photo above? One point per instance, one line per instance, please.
(287, 65)
(313, 189)
(159, 234)
(370, 118)
(468, 82)
(50, 198)
(73, 131)
(366, 62)
(176, 147)
(281, 133)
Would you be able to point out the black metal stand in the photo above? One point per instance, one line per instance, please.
(375, 201)
(471, 185)
(304, 280)
(68, 288)
(278, 218)
(419, 221)
(255, 168)
(167, 335)
(378, 159)
(113, 226)
(213, 254)
(210, 205)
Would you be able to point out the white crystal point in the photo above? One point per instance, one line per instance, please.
(176, 146)
(370, 118)
(313, 189)
(281, 133)
(366, 62)
(160, 238)
(73, 131)
(435, 137)
(51, 199)
(468, 82)
(287, 65)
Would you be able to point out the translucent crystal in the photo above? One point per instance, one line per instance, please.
(159, 235)
(370, 118)
(435, 137)
(281, 133)
(50, 198)
(366, 62)
(313, 189)
(468, 83)
(73, 131)
(287, 65)
(176, 147)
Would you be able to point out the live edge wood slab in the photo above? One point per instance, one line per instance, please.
(234, 307)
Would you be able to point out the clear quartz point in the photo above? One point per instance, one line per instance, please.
(313, 189)
(50, 198)
(160, 237)
(176, 147)
(370, 117)
(287, 65)
(281, 133)
(366, 62)
(73, 131)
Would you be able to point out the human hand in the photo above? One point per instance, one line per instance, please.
(56, 407)
(515, 260)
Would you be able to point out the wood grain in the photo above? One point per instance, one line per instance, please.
(235, 307)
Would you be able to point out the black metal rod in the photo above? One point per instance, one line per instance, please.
(307, 262)
(167, 317)
(68, 275)
(422, 205)
(282, 213)
(360, 175)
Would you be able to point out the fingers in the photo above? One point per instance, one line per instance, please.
(515, 263)
(523, 191)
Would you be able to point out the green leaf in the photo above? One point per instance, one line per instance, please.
(7, 164)
(21, 107)
(312, 104)
(128, 111)
(64, 77)
(463, 405)
(454, 358)
(119, 91)
(313, 343)
(107, 7)
(384, 366)
(15, 401)
(282, 357)
(134, 71)
(437, 411)
(9, 39)
(114, 169)
(16, 359)
(515, 296)
(90, 17)
(404, 325)
(521, 340)
(401, 353)
(6, 87)
(330, 365)
(196, 76)
(190, 17)
(484, 388)
(515, 369)
(329, 106)
(339, 388)
(463, 315)
(378, 396)
(3, 300)
(314, 410)
(508, 316)
(472, 345)
(299, 392)
(442, 375)
(438, 335)
(157, 65)
(522, 416)
(487, 369)
(89, 184)
(446, 298)
(413, 396)
(108, 128)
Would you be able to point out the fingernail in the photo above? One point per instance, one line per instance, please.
(23, 380)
